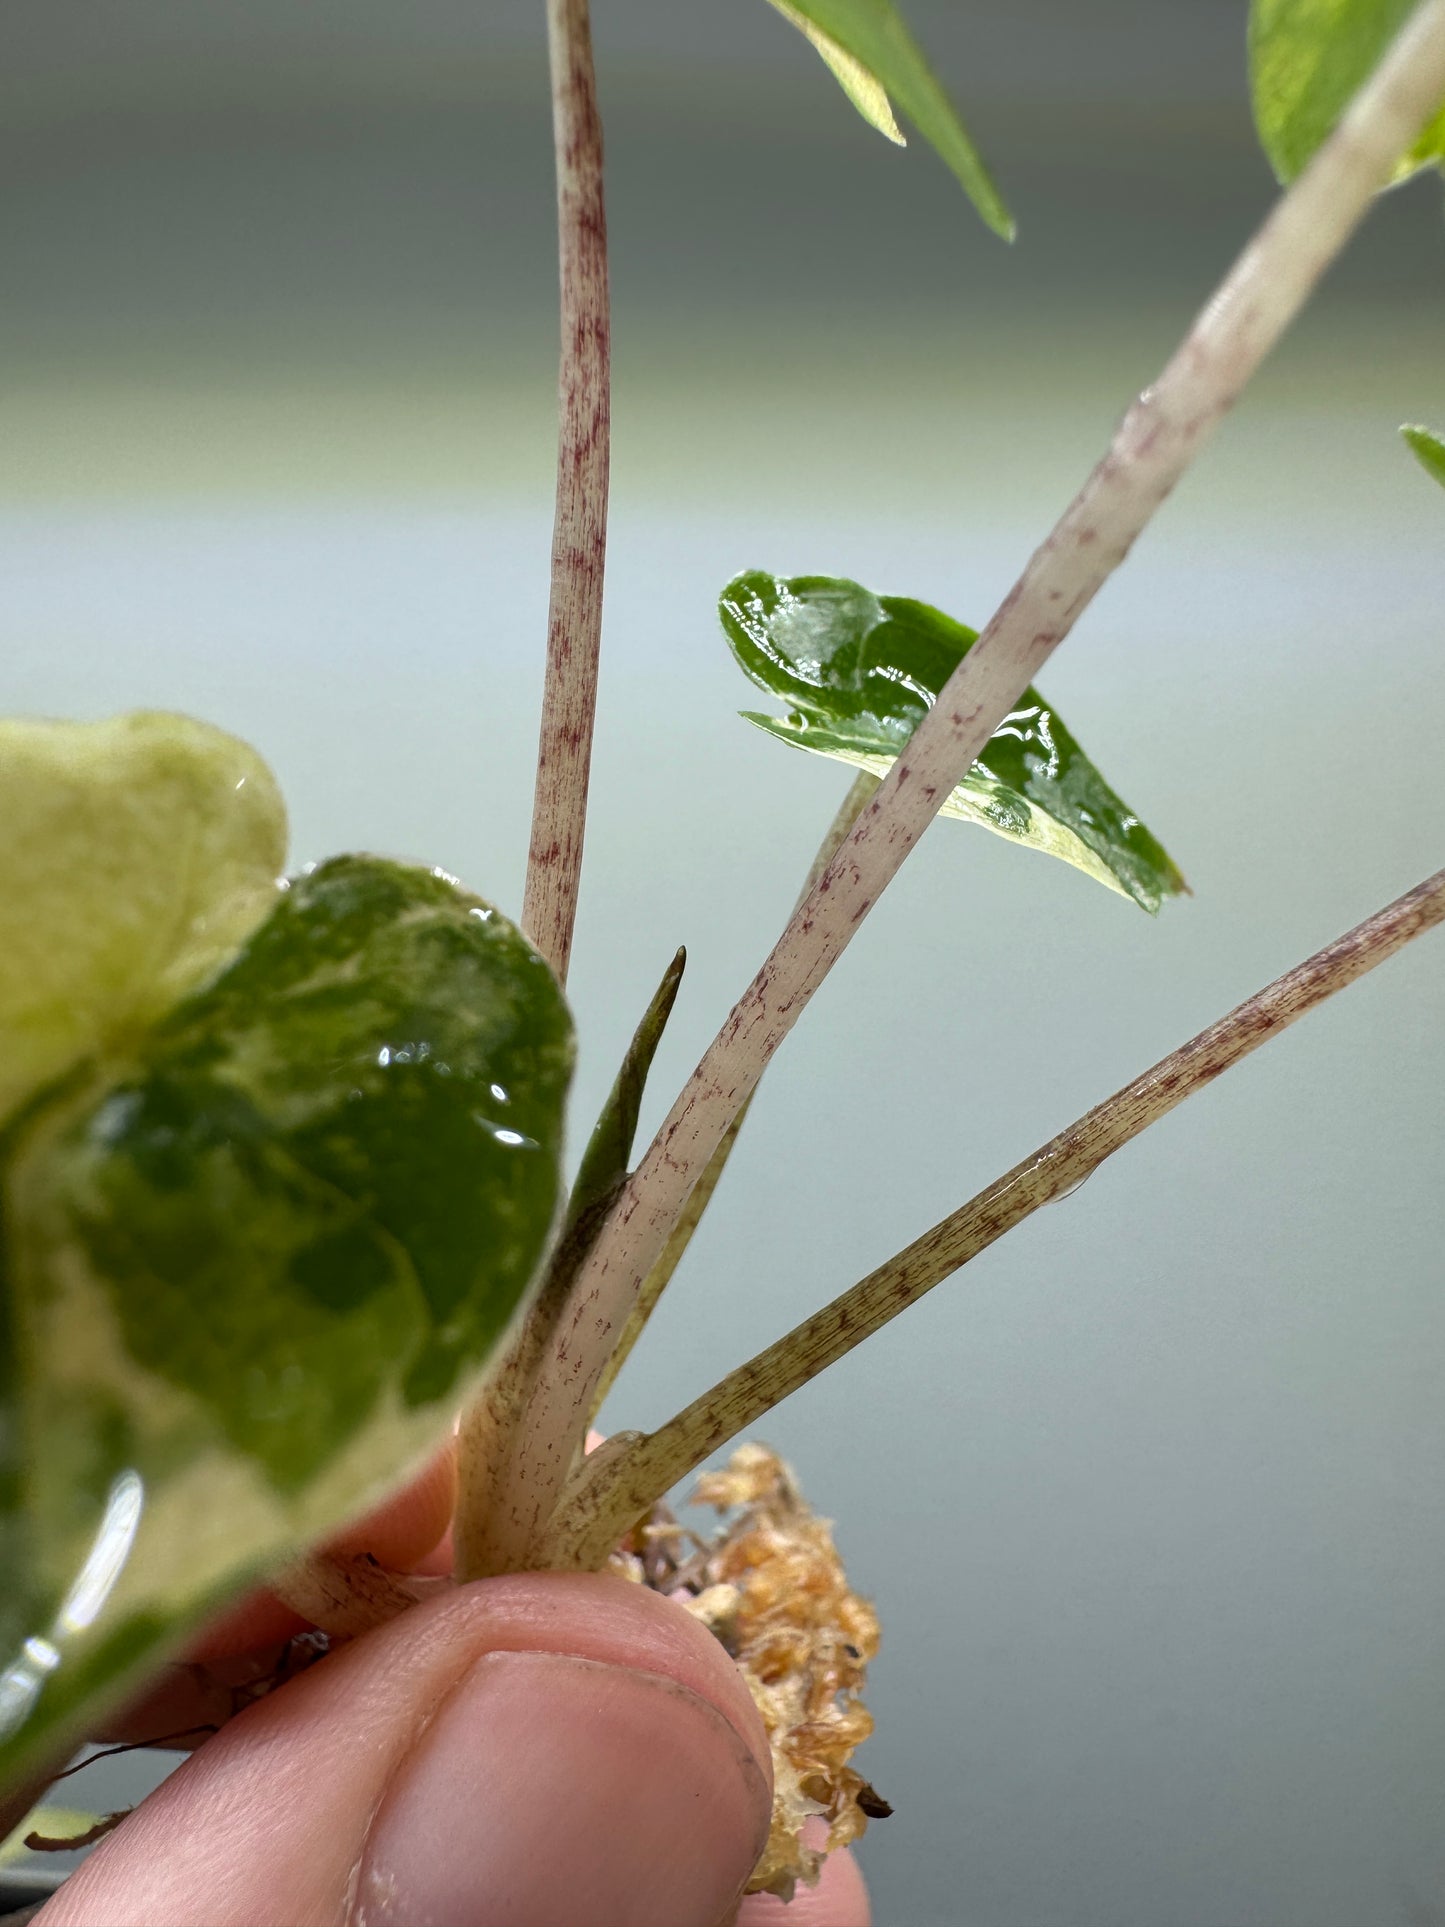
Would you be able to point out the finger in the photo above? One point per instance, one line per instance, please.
(840, 1899)
(399, 1534)
(551, 1750)
(403, 1530)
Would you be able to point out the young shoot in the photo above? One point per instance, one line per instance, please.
(1162, 433)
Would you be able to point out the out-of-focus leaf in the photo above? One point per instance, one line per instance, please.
(852, 76)
(873, 55)
(858, 671)
(135, 855)
(1429, 449)
(247, 1266)
(1307, 59)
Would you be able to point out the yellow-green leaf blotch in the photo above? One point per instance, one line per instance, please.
(136, 854)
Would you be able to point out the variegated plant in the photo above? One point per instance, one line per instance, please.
(280, 1161)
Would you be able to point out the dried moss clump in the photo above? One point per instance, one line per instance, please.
(772, 1588)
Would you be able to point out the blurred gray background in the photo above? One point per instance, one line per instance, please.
(1150, 1497)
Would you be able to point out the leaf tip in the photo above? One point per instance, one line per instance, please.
(1427, 447)
(990, 206)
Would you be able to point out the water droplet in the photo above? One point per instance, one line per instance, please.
(1078, 1185)
(513, 1140)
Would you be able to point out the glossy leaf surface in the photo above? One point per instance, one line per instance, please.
(858, 671)
(136, 854)
(1307, 59)
(1429, 450)
(874, 56)
(247, 1266)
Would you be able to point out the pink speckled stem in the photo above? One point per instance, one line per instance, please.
(574, 637)
(627, 1478)
(579, 534)
(1155, 443)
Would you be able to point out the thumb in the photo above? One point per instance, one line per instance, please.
(548, 1750)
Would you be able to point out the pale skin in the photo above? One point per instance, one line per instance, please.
(540, 1750)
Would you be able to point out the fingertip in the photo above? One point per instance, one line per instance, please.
(840, 1899)
(402, 1530)
(528, 1736)
(552, 1789)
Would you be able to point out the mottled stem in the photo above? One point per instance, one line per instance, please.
(681, 1235)
(609, 1494)
(490, 1534)
(579, 533)
(574, 639)
(345, 1594)
(1155, 443)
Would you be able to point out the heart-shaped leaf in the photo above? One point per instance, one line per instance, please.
(1307, 59)
(872, 54)
(1429, 450)
(247, 1264)
(135, 854)
(858, 671)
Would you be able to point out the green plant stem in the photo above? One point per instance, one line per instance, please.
(608, 1494)
(1154, 445)
(680, 1237)
(579, 536)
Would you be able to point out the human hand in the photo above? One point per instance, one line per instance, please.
(542, 1750)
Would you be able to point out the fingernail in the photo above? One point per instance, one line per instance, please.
(550, 1791)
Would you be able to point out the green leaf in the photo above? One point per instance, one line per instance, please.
(872, 54)
(1307, 59)
(248, 1265)
(1429, 448)
(604, 1163)
(137, 854)
(858, 671)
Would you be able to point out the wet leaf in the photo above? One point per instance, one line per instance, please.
(247, 1264)
(858, 672)
(136, 855)
(1429, 449)
(873, 55)
(1307, 59)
